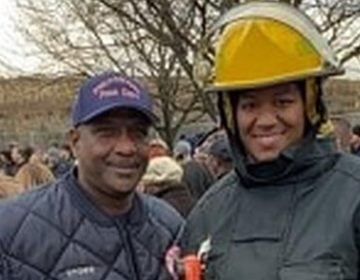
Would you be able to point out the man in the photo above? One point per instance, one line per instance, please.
(197, 177)
(91, 224)
(58, 160)
(291, 209)
(182, 151)
(219, 157)
(158, 148)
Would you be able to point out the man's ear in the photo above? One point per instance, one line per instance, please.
(73, 138)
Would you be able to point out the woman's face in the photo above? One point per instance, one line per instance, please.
(270, 120)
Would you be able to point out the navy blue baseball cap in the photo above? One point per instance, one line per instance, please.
(109, 90)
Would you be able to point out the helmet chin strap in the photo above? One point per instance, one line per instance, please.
(316, 115)
(314, 109)
(228, 112)
(311, 98)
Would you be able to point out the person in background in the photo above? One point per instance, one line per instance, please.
(201, 149)
(58, 161)
(219, 159)
(182, 152)
(91, 223)
(163, 180)
(158, 148)
(355, 140)
(32, 172)
(9, 187)
(6, 162)
(17, 159)
(66, 154)
(197, 176)
(342, 134)
(291, 208)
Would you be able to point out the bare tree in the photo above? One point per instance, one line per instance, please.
(158, 40)
(339, 21)
(89, 36)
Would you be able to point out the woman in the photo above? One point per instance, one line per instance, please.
(291, 209)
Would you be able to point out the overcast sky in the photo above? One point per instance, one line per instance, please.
(12, 49)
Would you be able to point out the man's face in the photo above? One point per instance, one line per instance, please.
(112, 152)
(269, 120)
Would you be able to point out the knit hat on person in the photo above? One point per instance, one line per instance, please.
(162, 169)
(183, 148)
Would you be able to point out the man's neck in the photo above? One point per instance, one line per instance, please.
(111, 204)
(120, 206)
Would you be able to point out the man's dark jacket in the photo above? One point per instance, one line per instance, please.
(56, 232)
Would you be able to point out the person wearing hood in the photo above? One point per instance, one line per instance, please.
(291, 208)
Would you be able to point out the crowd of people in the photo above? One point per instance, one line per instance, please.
(179, 175)
(23, 167)
(191, 166)
(273, 193)
(183, 174)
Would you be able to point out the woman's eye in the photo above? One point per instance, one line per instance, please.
(285, 101)
(247, 105)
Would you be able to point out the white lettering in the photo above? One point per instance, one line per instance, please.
(80, 271)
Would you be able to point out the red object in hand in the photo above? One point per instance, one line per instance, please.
(192, 268)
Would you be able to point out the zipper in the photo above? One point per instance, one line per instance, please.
(129, 250)
(288, 227)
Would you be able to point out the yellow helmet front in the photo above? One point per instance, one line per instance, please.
(264, 43)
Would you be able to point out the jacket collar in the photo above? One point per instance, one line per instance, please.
(83, 202)
(309, 158)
